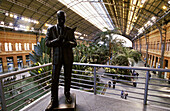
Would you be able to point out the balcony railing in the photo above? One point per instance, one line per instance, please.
(19, 88)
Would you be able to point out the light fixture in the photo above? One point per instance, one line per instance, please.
(169, 2)
(10, 24)
(37, 22)
(2, 22)
(141, 6)
(164, 7)
(15, 16)
(29, 20)
(46, 25)
(11, 15)
(26, 19)
(16, 28)
(6, 14)
(22, 18)
(142, 1)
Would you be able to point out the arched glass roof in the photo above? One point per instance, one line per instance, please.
(132, 17)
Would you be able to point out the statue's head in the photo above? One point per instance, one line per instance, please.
(61, 16)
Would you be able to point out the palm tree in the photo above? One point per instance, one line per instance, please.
(106, 38)
(41, 55)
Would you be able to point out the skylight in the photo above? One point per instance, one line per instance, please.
(92, 11)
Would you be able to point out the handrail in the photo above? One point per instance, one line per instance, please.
(124, 67)
(83, 81)
(85, 64)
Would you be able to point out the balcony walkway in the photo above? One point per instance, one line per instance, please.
(89, 102)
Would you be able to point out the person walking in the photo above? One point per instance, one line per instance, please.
(126, 94)
(109, 84)
(122, 94)
(114, 82)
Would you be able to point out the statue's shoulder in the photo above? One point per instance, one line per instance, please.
(71, 29)
(51, 27)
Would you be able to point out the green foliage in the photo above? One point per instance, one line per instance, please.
(41, 55)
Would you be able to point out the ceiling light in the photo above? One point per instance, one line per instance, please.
(22, 18)
(142, 1)
(6, 14)
(141, 6)
(26, 19)
(29, 20)
(11, 15)
(2, 22)
(81, 37)
(46, 24)
(164, 7)
(37, 22)
(10, 24)
(169, 2)
(16, 28)
(15, 16)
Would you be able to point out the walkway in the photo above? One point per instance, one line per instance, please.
(131, 88)
(89, 102)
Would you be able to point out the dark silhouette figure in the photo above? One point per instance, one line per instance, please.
(109, 84)
(122, 94)
(126, 94)
(114, 82)
(61, 39)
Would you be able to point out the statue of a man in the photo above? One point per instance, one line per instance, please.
(61, 39)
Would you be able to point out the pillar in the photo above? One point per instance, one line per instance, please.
(168, 74)
(3, 47)
(4, 64)
(154, 65)
(24, 60)
(151, 61)
(15, 62)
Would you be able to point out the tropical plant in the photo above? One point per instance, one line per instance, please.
(106, 38)
(40, 55)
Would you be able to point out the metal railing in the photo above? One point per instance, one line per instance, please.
(19, 92)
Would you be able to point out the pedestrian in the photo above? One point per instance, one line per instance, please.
(114, 82)
(126, 94)
(109, 84)
(137, 74)
(122, 94)
(134, 83)
(149, 76)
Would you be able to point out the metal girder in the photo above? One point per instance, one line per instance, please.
(167, 13)
(147, 46)
(163, 41)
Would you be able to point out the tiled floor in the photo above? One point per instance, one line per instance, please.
(90, 102)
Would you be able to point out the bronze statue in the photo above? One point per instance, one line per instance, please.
(61, 39)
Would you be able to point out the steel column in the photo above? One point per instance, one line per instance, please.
(2, 96)
(95, 80)
(147, 46)
(146, 88)
(163, 40)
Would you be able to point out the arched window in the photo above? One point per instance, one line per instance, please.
(16, 46)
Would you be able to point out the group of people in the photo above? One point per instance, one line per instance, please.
(134, 73)
(109, 84)
(124, 94)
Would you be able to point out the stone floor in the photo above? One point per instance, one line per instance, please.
(89, 102)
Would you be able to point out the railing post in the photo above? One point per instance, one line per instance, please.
(146, 88)
(94, 80)
(3, 102)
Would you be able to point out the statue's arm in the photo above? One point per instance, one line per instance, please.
(49, 42)
(73, 43)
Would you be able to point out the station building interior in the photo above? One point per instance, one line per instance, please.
(145, 23)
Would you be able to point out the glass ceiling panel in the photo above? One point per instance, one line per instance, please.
(92, 11)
